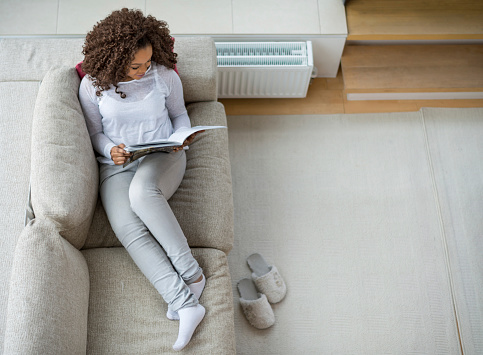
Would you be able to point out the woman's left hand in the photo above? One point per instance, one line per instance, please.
(187, 141)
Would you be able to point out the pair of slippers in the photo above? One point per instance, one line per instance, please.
(266, 286)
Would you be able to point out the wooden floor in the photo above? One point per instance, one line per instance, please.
(327, 96)
(413, 71)
(414, 19)
(393, 69)
(416, 67)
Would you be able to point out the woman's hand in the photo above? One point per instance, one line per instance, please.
(119, 155)
(187, 141)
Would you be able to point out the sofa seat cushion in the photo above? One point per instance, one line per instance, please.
(100, 233)
(128, 316)
(203, 204)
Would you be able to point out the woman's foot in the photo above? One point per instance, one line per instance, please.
(189, 318)
(197, 288)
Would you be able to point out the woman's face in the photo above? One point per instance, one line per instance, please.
(141, 63)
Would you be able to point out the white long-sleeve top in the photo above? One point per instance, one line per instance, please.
(153, 109)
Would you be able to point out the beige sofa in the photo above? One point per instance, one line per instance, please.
(68, 286)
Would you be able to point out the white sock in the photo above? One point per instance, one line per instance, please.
(197, 288)
(189, 318)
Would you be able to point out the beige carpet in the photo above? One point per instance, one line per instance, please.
(375, 223)
(456, 146)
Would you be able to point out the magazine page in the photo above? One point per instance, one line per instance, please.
(183, 133)
(176, 139)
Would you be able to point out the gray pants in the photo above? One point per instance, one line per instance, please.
(135, 200)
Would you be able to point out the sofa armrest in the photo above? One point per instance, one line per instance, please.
(197, 68)
(49, 294)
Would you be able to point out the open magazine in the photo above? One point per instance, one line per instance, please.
(164, 145)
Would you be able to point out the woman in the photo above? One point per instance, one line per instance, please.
(132, 95)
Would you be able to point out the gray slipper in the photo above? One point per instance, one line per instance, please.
(267, 278)
(255, 305)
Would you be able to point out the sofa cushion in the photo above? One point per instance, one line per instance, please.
(100, 233)
(49, 294)
(203, 203)
(128, 316)
(64, 173)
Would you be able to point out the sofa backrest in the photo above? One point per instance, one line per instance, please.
(29, 59)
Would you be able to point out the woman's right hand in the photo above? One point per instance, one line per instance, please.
(119, 155)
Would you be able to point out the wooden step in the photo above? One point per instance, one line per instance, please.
(414, 19)
(399, 72)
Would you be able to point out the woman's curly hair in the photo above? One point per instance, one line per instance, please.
(110, 47)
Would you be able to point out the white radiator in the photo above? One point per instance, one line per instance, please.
(264, 69)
